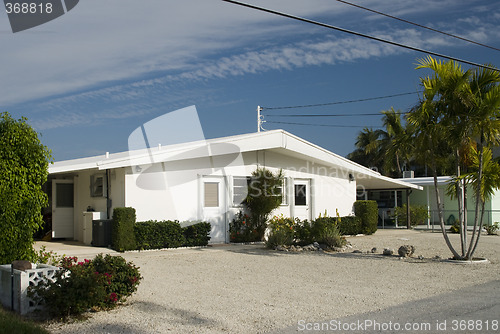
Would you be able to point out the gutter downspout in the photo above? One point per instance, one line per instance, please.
(108, 201)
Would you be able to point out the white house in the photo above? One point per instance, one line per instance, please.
(205, 180)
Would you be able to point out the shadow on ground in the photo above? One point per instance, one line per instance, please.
(479, 304)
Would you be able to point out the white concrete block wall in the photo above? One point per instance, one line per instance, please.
(22, 280)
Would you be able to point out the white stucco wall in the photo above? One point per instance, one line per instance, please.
(172, 190)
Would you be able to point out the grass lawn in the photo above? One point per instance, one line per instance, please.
(12, 323)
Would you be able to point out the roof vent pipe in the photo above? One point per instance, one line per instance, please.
(107, 155)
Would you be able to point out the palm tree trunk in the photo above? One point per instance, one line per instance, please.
(440, 211)
(470, 256)
(463, 236)
(479, 200)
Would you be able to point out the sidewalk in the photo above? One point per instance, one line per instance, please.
(73, 248)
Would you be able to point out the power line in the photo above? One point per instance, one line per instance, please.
(325, 125)
(360, 34)
(334, 115)
(418, 25)
(338, 102)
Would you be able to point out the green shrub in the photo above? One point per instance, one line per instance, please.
(325, 231)
(493, 228)
(197, 234)
(23, 171)
(418, 214)
(92, 284)
(154, 234)
(367, 211)
(350, 225)
(281, 231)
(455, 227)
(303, 232)
(241, 229)
(123, 237)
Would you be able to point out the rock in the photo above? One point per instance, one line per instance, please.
(281, 249)
(420, 257)
(437, 257)
(406, 250)
(357, 251)
(374, 250)
(292, 248)
(388, 251)
(316, 245)
(21, 265)
(338, 249)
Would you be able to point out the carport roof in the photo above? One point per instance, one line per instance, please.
(276, 140)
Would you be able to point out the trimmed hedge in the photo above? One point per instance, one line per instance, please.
(350, 225)
(154, 234)
(122, 235)
(197, 234)
(368, 212)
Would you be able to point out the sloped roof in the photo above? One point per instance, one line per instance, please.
(275, 140)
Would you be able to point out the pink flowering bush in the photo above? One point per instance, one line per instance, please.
(86, 285)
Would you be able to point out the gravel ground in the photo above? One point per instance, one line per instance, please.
(249, 289)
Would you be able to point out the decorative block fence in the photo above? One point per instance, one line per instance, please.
(22, 280)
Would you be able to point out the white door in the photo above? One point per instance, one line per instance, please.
(213, 202)
(302, 199)
(62, 209)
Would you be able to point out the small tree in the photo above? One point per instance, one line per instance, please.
(23, 171)
(264, 195)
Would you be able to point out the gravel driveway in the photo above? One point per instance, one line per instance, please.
(249, 289)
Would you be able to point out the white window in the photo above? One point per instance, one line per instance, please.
(211, 195)
(240, 189)
(98, 185)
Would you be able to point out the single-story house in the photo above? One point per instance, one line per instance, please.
(427, 197)
(205, 180)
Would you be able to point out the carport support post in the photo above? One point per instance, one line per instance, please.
(408, 223)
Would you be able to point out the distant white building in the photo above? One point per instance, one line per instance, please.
(205, 180)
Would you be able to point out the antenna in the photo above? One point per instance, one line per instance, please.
(260, 119)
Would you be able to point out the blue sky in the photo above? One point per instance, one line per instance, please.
(86, 80)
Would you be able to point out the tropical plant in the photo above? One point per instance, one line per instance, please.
(264, 195)
(369, 150)
(493, 228)
(23, 170)
(458, 113)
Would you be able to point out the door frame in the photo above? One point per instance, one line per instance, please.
(223, 202)
(308, 206)
(54, 206)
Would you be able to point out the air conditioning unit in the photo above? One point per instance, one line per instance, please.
(408, 174)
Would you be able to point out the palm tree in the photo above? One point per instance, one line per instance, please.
(462, 109)
(399, 143)
(368, 150)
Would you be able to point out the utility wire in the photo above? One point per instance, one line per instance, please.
(334, 115)
(338, 102)
(325, 125)
(418, 25)
(360, 34)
